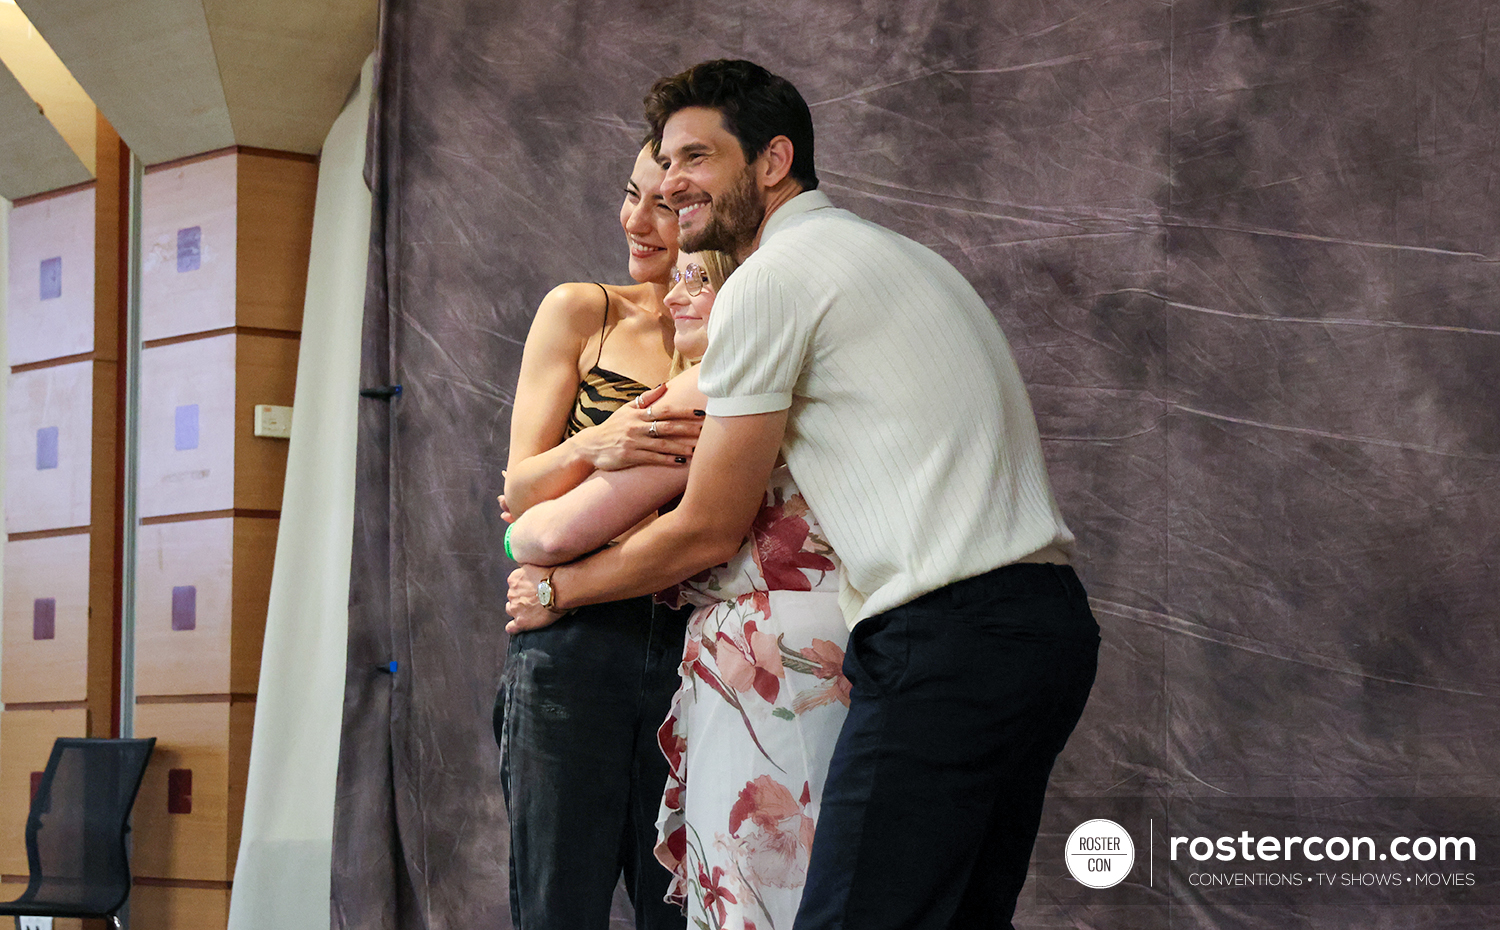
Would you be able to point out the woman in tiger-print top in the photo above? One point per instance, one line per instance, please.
(579, 702)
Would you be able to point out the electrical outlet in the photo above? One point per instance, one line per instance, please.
(273, 422)
(36, 923)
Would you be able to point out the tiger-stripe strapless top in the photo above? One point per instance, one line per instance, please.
(601, 392)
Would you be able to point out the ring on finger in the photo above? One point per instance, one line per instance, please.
(649, 415)
(652, 431)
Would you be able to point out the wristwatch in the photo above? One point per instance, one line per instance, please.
(546, 595)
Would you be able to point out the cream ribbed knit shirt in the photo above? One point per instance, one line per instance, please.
(910, 433)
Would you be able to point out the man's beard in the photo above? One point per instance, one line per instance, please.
(733, 219)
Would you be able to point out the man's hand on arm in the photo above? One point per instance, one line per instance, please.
(724, 491)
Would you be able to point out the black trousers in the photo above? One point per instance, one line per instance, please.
(961, 702)
(576, 719)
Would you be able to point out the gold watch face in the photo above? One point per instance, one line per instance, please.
(544, 592)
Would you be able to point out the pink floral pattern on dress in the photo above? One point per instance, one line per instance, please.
(773, 833)
(781, 533)
(749, 749)
(828, 665)
(750, 661)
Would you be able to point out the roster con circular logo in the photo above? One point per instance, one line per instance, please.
(1100, 853)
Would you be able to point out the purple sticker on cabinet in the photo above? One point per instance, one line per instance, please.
(46, 448)
(189, 248)
(44, 618)
(185, 607)
(51, 278)
(185, 434)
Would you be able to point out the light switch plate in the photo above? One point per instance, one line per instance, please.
(273, 422)
(36, 923)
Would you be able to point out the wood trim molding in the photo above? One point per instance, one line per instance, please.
(163, 882)
(232, 698)
(238, 513)
(47, 534)
(277, 153)
(201, 156)
(48, 195)
(47, 705)
(54, 362)
(190, 159)
(221, 331)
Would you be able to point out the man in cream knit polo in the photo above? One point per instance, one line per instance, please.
(874, 367)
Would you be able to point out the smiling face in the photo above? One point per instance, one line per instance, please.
(650, 224)
(690, 311)
(719, 203)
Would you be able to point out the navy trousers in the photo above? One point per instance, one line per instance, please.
(961, 702)
(576, 719)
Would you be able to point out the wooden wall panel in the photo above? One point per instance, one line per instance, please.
(193, 842)
(254, 556)
(184, 585)
(227, 562)
(104, 549)
(111, 232)
(48, 444)
(51, 293)
(226, 243)
(276, 194)
(188, 246)
(163, 907)
(210, 740)
(182, 473)
(224, 377)
(26, 738)
(45, 652)
(241, 728)
(265, 373)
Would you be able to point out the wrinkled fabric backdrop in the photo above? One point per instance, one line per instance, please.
(1246, 253)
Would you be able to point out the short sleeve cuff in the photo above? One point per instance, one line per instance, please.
(747, 406)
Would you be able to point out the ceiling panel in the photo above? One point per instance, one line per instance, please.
(148, 65)
(33, 156)
(288, 65)
(46, 79)
(181, 77)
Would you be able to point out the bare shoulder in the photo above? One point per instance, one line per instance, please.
(577, 306)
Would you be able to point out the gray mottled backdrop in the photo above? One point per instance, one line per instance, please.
(1246, 252)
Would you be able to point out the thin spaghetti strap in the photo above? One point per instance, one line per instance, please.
(603, 325)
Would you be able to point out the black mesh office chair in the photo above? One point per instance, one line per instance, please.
(75, 835)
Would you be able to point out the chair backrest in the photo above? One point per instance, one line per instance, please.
(75, 835)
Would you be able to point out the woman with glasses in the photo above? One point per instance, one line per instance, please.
(763, 693)
(580, 701)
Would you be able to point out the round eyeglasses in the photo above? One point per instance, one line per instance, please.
(693, 276)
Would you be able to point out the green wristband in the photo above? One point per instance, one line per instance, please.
(508, 553)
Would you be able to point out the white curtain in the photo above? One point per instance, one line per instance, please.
(282, 877)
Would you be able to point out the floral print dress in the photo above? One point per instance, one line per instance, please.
(753, 725)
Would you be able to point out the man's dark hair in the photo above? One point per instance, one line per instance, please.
(756, 106)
